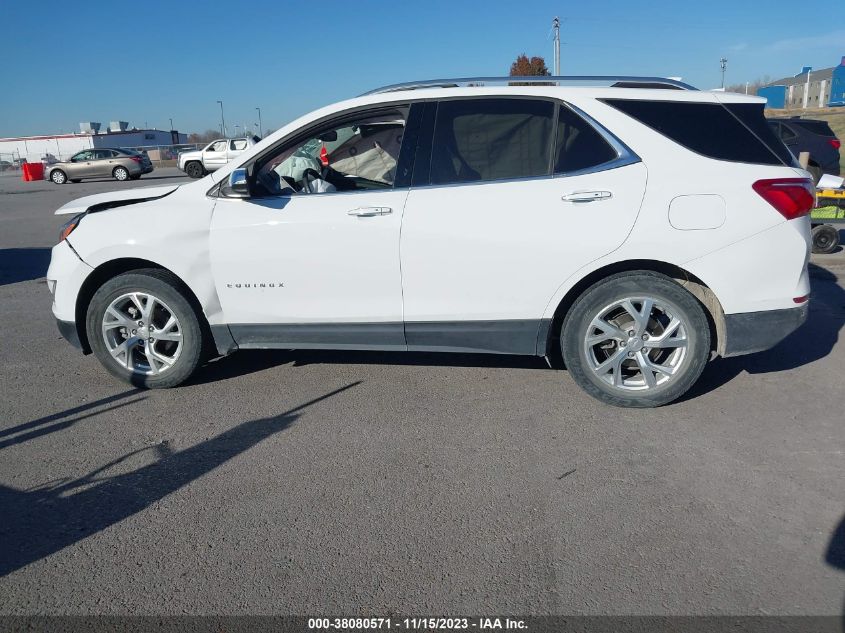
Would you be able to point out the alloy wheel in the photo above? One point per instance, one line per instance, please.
(142, 333)
(636, 343)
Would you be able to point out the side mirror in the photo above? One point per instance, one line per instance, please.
(237, 186)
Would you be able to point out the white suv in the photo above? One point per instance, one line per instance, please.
(214, 155)
(634, 229)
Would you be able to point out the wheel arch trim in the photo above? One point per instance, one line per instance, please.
(549, 330)
(111, 268)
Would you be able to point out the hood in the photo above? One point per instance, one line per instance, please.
(102, 201)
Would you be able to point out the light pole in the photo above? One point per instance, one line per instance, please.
(556, 28)
(260, 129)
(222, 120)
(171, 125)
(724, 64)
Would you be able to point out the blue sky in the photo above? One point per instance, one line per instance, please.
(148, 61)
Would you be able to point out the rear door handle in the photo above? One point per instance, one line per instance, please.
(586, 196)
(368, 212)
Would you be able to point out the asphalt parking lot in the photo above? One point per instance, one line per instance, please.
(338, 483)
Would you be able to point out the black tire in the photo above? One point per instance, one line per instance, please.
(167, 289)
(58, 176)
(135, 177)
(75, 180)
(194, 169)
(120, 173)
(825, 238)
(615, 288)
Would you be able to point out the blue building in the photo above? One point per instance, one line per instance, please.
(808, 89)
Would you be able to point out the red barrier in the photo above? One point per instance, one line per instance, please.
(33, 171)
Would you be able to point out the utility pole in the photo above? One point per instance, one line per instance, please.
(171, 125)
(724, 64)
(222, 120)
(260, 129)
(556, 28)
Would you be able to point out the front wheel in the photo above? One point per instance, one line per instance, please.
(636, 340)
(58, 176)
(194, 169)
(143, 329)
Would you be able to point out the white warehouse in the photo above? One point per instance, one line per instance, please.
(63, 146)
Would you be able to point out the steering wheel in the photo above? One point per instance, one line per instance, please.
(309, 175)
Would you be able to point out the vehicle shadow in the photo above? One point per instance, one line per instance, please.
(44, 520)
(63, 420)
(23, 264)
(812, 341)
(835, 555)
(250, 361)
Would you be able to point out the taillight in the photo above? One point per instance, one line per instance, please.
(791, 197)
(137, 159)
(834, 143)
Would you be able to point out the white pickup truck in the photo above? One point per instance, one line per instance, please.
(214, 155)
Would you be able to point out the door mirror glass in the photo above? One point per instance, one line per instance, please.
(237, 186)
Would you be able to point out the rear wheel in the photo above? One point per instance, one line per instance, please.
(825, 238)
(194, 169)
(58, 176)
(76, 180)
(143, 329)
(636, 340)
(120, 173)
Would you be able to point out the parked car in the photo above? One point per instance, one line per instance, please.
(213, 156)
(815, 137)
(6, 165)
(117, 163)
(632, 232)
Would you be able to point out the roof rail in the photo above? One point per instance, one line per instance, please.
(609, 80)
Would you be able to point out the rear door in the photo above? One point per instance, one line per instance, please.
(103, 162)
(521, 193)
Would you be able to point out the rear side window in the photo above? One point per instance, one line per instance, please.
(751, 115)
(579, 146)
(491, 139)
(239, 143)
(711, 129)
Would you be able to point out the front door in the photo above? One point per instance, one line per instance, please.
(311, 260)
(215, 155)
(521, 194)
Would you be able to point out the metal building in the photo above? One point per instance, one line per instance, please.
(63, 146)
(808, 89)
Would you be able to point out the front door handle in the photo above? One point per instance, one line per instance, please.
(586, 196)
(368, 212)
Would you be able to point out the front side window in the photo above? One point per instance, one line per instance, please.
(579, 146)
(357, 153)
(82, 156)
(477, 140)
